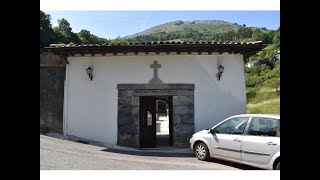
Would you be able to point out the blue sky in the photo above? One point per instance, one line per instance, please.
(110, 24)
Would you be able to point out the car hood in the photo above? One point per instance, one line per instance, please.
(201, 132)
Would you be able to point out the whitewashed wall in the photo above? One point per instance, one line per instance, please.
(91, 107)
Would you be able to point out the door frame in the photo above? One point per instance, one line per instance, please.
(128, 111)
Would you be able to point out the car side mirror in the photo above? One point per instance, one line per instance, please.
(211, 131)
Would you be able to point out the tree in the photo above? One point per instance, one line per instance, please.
(64, 25)
(276, 38)
(118, 40)
(86, 37)
(274, 84)
(46, 32)
(60, 37)
(244, 32)
(74, 38)
(64, 32)
(162, 35)
(258, 35)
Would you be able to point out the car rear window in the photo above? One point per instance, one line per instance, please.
(262, 126)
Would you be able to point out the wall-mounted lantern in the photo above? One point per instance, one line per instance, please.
(89, 72)
(220, 71)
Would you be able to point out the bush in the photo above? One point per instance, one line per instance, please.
(252, 80)
(251, 94)
(273, 84)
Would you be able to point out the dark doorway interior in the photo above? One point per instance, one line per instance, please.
(156, 127)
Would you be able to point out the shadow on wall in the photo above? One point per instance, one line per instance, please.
(51, 59)
(52, 76)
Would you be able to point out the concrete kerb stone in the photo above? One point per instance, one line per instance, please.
(111, 146)
(55, 135)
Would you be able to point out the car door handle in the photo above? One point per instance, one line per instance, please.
(271, 143)
(237, 140)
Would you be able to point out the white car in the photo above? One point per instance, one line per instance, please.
(252, 139)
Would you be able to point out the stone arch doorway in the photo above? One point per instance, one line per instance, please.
(129, 112)
(162, 115)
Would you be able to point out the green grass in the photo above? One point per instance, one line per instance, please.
(271, 106)
(263, 100)
(260, 94)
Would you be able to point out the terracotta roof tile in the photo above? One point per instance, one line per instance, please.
(247, 48)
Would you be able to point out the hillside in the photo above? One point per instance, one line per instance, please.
(198, 30)
(214, 26)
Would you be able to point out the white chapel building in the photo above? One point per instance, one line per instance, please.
(151, 94)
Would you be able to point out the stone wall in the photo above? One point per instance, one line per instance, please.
(52, 76)
(128, 111)
(183, 118)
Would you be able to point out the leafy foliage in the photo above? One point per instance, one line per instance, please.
(188, 33)
(263, 81)
(63, 33)
(273, 84)
(46, 32)
(87, 38)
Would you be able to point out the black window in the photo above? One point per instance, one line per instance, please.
(222, 128)
(261, 126)
(237, 125)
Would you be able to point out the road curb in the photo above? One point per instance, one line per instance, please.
(166, 150)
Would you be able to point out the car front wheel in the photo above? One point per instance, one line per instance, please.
(278, 166)
(201, 152)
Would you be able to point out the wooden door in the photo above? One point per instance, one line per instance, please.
(147, 134)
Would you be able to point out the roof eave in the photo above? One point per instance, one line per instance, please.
(232, 48)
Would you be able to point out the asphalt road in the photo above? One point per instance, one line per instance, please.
(58, 154)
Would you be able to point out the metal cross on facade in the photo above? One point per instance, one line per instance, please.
(155, 67)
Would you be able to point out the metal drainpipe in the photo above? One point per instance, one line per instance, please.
(65, 101)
